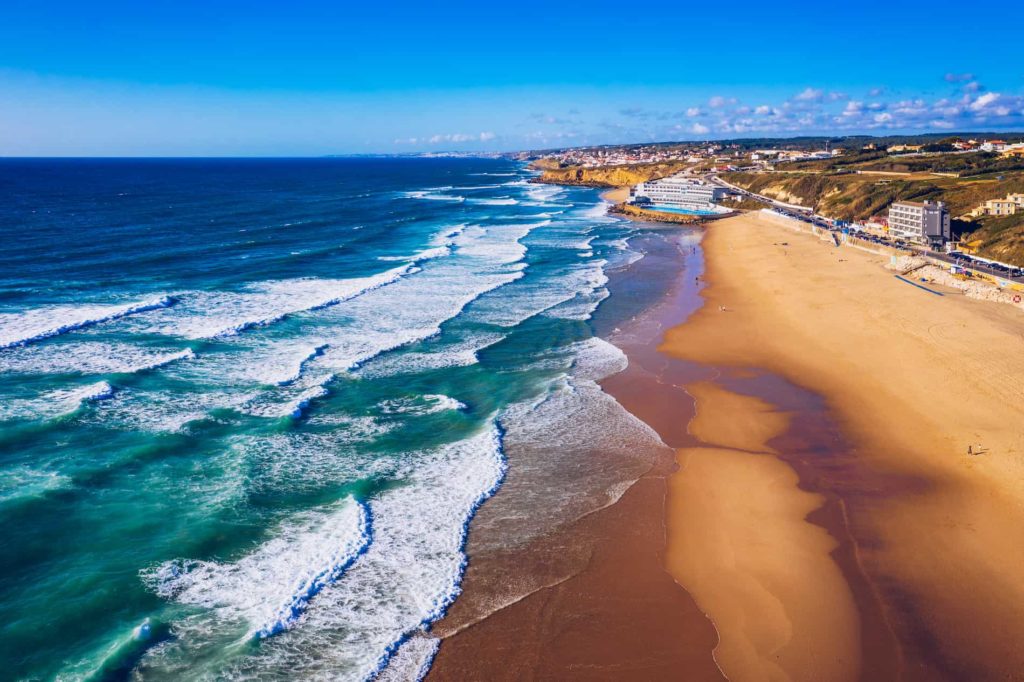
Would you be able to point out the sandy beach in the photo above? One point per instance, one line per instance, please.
(792, 551)
(822, 519)
(617, 195)
(596, 601)
(746, 548)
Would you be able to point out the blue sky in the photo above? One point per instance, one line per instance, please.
(311, 78)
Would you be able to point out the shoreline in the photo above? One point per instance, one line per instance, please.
(766, 423)
(923, 531)
(607, 608)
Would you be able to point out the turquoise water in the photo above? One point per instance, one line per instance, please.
(683, 211)
(248, 408)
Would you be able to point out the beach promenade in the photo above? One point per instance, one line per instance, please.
(880, 536)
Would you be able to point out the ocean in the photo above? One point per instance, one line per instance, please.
(249, 408)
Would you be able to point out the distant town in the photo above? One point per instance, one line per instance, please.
(737, 156)
(960, 193)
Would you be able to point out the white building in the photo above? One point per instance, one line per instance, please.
(680, 192)
(920, 222)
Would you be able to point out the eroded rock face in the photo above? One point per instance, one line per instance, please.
(607, 176)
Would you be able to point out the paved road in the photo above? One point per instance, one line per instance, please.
(805, 215)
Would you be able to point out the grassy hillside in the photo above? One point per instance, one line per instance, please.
(854, 196)
(965, 165)
(1000, 237)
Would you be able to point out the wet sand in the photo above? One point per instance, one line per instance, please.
(747, 553)
(600, 604)
(925, 536)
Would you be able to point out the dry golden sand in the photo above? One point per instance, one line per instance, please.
(914, 379)
(617, 195)
(747, 554)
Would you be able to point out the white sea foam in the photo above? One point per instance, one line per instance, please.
(349, 626)
(580, 307)
(415, 559)
(18, 329)
(213, 314)
(435, 252)
(356, 330)
(88, 357)
(414, 308)
(433, 196)
(535, 295)
(267, 363)
(437, 353)
(271, 587)
(596, 212)
(544, 193)
(291, 402)
(412, 661)
(440, 246)
(56, 403)
(595, 359)
(497, 201)
(311, 461)
(424, 404)
(147, 410)
(571, 430)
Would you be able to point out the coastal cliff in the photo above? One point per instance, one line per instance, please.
(606, 176)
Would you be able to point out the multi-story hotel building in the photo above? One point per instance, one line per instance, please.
(679, 192)
(920, 221)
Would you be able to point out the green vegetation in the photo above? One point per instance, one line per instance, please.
(966, 165)
(852, 196)
(970, 164)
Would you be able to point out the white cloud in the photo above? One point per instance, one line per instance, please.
(809, 95)
(983, 101)
(815, 111)
(456, 137)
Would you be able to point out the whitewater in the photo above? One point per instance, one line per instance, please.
(245, 426)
